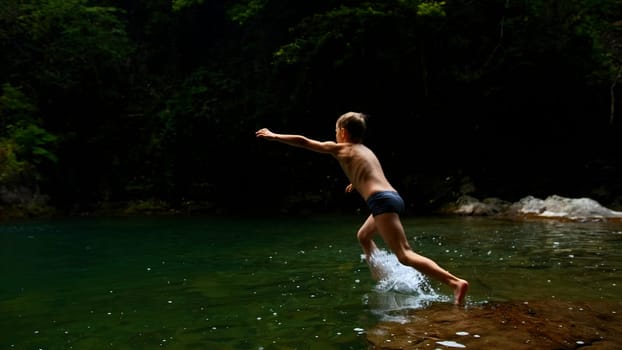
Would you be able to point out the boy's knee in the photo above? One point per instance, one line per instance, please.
(361, 236)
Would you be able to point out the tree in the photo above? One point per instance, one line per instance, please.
(26, 151)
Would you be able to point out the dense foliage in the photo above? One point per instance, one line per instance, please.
(109, 101)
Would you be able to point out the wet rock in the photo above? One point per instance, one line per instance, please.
(467, 205)
(507, 325)
(553, 207)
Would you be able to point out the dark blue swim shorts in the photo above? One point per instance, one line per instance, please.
(385, 202)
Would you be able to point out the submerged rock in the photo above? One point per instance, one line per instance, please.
(523, 325)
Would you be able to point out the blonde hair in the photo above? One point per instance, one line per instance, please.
(355, 123)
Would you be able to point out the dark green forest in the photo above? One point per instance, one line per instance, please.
(153, 105)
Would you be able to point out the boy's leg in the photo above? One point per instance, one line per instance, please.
(365, 236)
(391, 230)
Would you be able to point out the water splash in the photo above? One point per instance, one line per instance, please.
(394, 276)
(399, 288)
(451, 344)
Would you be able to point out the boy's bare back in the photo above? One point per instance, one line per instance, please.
(362, 168)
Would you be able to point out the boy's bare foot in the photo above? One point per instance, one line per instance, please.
(460, 290)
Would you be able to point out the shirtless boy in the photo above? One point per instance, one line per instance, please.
(366, 176)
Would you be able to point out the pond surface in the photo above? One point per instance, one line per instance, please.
(239, 283)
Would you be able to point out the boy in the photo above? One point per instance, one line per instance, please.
(366, 176)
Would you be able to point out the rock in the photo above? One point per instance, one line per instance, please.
(553, 207)
(467, 205)
(505, 325)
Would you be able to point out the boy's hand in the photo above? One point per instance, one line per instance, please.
(265, 134)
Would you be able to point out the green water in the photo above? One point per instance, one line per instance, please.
(215, 283)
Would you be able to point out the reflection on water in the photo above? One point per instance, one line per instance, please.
(184, 283)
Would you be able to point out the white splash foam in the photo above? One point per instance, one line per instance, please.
(394, 276)
(450, 344)
(399, 288)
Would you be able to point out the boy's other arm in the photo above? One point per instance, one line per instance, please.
(299, 141)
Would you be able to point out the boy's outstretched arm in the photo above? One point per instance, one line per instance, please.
(298, 141)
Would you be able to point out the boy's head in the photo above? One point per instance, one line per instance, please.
(355, 124)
